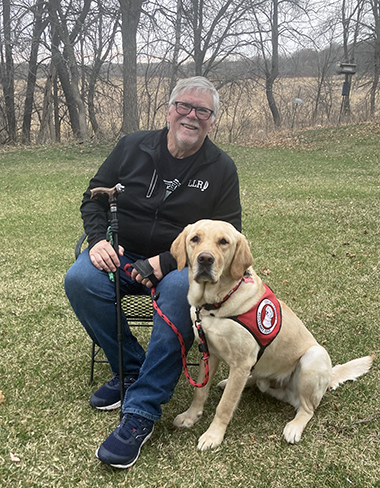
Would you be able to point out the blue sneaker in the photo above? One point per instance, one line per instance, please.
(121, 449)
(107, 397)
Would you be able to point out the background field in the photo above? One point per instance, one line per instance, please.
(311, 213)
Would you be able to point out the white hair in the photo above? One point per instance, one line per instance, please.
(198, 84)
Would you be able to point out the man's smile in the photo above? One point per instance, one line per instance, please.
(190, 127)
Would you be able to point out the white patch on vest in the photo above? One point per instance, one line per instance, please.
(266, 317)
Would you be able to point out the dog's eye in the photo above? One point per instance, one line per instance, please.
(222, 241)
(194, 239)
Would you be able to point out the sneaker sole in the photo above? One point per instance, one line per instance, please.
(114, 406)
(131, 463)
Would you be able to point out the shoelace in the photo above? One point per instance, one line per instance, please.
(115, 381)
(128, 380)
(133, 422)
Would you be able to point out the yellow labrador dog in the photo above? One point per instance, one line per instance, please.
(292, 366)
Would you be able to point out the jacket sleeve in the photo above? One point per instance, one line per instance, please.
(167, 262)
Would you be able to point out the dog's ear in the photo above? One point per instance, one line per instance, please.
(242, 259)
(178, 249)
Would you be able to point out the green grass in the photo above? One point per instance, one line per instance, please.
(311, 213)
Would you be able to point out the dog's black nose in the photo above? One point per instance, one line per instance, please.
(206, 259)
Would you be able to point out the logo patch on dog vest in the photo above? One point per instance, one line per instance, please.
(263, 320)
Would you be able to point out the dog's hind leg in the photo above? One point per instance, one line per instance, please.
(306, 389)
(194, 412)
(214, 435)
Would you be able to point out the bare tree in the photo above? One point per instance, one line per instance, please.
(352, 11)
(39, 24)
(271, 65)
(177, 43)
(276, 21)
(46, 116)
(161, 55)
(371, 26)
(325, 60)
(65, 62)
(100, 38)
(7, 71)
(82, 43)
(130, 15)
(213, 30)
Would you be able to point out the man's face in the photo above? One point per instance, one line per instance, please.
(187, 132)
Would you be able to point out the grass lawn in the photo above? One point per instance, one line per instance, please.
(311, 212)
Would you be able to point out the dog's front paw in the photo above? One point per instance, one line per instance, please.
(211, 439)
(292, 432)
(187, 419)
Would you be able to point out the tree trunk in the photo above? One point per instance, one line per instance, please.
(70, 79)
(39, 26)
(7, 73)
(272, 102)
(272, 73)
(57, 121)
(64, 78)
(91, 98)
(45, 123)
(101, 54)
(130, 16)
(176, 49)
(197, 32)
(375, 6)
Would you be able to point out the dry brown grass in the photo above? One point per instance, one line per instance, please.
(244, 117)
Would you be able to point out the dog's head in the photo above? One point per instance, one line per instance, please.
(211, 249)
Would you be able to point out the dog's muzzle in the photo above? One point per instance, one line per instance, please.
(205, 267)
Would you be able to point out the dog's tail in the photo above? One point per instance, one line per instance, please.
(350, 371)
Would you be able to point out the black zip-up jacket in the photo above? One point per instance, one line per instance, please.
(148, 223)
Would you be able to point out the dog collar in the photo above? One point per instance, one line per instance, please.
(215, 306)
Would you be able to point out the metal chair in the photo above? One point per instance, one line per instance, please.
(138, 310)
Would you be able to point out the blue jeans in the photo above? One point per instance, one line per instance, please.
(92, 296)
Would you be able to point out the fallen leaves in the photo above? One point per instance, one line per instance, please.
(2, 397)
(14, 458)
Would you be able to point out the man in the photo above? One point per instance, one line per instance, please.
(172, 177)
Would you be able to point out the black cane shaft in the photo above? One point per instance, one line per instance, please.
(120, 335)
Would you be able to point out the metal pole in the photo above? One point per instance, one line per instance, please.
(112, 199)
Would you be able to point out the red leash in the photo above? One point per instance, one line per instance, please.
(202, 338)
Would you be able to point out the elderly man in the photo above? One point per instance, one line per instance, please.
(172, 177)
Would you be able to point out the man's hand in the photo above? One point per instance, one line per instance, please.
(155, 263)
(104, 257)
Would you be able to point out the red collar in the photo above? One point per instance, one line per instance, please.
(215, 306)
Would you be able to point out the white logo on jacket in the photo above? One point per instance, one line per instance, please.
(201, 185)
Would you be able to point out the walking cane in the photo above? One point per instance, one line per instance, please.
(114, 227)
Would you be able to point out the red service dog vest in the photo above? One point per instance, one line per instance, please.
(263, 320)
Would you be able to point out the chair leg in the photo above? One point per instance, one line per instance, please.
(93, 354)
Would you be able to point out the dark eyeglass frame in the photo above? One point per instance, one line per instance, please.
(207, 112)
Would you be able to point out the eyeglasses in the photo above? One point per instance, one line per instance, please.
(202, 113)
